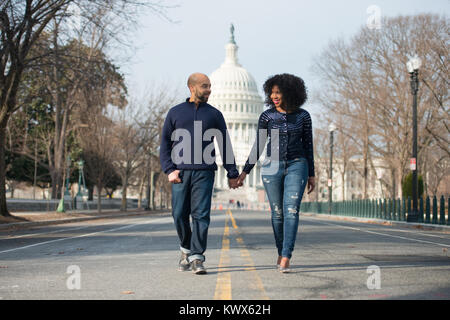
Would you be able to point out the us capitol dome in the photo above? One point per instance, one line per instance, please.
(235, 93)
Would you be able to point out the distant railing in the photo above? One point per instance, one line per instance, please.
(260, 206)
(430, 210)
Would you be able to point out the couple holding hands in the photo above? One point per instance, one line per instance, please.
(287, 170)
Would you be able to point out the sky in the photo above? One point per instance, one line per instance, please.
(273, 37)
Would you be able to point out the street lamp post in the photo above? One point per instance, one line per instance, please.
(413, 66)
(152, 177)
(80, 177)
(66, 196)
(331, 128)
(68, 163)
(147, 207)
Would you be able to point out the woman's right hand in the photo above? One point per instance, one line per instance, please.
(311, 184)
(241, 178)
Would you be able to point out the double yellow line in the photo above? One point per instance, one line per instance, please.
(223, 285)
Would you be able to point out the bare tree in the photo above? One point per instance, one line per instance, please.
(21, 25)
(365, 79)
(98, 151)
(129, 140)
(156, 103)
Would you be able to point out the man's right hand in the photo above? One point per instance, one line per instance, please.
(241, 178)
(173, 177)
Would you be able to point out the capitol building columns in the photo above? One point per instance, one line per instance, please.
(235, 93)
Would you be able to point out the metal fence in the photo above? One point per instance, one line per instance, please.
(431, 210)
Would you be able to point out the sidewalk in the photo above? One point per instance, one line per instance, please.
(409, 225)
(23, 220)
(33, 219)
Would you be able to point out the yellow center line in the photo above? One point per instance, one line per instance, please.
(248, 262)
(223, 285)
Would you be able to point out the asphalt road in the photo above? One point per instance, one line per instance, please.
(136, 258)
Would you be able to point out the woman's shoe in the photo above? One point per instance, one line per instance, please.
(284, 269)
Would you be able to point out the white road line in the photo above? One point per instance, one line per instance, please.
(80, 236)
(52, 232)
(385, 234)
(420, 233)
(63, 230)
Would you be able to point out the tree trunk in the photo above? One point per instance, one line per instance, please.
(141, 190)
(3, 207)
(394, 183)
(123, 206)
(91, 193)
(99, 196)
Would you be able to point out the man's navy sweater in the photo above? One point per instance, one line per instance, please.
(188, 139)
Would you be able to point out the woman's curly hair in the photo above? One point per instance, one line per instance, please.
(292, 88)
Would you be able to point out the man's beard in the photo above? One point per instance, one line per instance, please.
(202, 98)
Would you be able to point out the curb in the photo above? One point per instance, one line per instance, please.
(30, 224)
(409, 225)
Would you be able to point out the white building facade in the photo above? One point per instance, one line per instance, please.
(348, 184)
(235, 93)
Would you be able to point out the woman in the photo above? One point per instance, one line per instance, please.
(289, 163)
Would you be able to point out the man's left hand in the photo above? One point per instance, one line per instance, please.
(234, 183)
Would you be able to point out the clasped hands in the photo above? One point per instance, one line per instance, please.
(237, 182)
(232, 183)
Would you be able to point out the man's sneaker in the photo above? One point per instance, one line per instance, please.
(183, 264)
(197, 267)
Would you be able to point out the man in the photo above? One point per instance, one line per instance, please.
(187, 156)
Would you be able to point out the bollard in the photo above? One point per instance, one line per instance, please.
(374, 208)
(427, 210)
(442, 211)
(391, 209)
(379, 205)
(421, 209)
(448, 212)
(361, 208)
(403, 209)
(367, 208)
(386, 210)
(353, 208)
(397, 210)
(408, 206)
(434, 218)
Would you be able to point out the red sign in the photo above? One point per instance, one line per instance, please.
(412, 164)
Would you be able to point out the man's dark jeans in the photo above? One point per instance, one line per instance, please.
(192, 197)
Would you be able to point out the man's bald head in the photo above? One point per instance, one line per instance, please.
(200, 87)
(195, 78)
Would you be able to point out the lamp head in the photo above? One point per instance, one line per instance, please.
(414, 64)
(331, 127)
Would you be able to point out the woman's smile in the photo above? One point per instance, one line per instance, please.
(276, 96)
